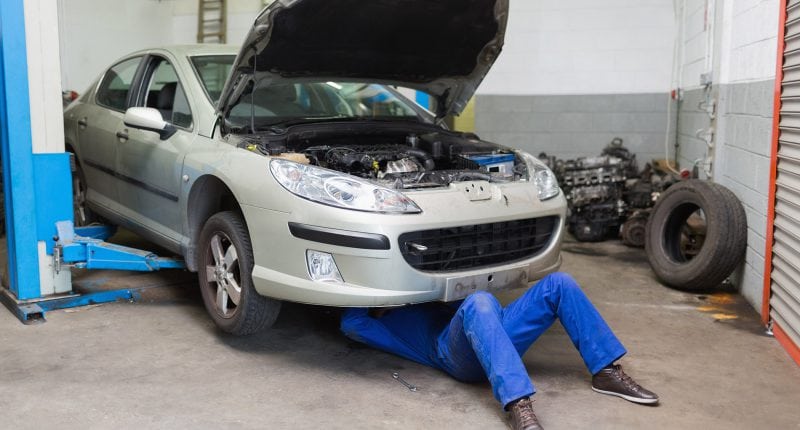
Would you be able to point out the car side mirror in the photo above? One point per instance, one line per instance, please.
(145, 118)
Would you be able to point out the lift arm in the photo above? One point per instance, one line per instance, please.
(85, 248)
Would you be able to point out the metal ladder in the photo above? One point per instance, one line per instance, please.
(212, 21)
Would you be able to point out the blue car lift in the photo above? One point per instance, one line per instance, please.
(85, 248)
(40, 238)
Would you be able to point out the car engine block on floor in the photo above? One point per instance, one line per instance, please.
(608, 195)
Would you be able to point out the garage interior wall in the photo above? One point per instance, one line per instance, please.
(241, 14)
(573, 75)
(142, 24)
(735, 44)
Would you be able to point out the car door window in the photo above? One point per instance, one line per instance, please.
(113, 90)
(166, 94)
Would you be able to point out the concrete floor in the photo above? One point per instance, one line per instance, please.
(160, 363)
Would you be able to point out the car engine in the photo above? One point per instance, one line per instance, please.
(404, 160)
(607, 195)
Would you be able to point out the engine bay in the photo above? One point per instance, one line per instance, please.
(396, 159)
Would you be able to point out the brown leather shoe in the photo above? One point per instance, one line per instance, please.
(613, 381)
(522, 416)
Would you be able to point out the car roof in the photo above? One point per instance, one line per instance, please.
(194, 50)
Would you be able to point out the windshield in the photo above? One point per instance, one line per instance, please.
(308, 101)
(275, 103)
(213, 71)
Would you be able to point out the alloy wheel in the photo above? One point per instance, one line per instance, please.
(223, 276)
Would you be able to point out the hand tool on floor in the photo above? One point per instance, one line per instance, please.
(396, 376)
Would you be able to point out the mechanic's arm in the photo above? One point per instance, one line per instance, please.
(358, 325)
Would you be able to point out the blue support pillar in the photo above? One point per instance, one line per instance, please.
(17, 153)
(38, 198)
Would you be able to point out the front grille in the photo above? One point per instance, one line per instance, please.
(475, 246)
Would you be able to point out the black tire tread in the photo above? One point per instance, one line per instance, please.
(724, 248)
(91, 218)
(255, 312)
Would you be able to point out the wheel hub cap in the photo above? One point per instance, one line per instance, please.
(223, 264)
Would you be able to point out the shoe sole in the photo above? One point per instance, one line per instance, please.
(628, 398)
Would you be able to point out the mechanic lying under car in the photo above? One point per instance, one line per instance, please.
(480, 339)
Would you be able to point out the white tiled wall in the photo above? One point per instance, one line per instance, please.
(585, 47)
(552, 46)
(743, 45)
(749, 54)
(241, 14)
(744, 60)
(695, 41)
(751, 28)
(89, 44)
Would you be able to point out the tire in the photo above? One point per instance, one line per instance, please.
(671, 245)
(82, 215)
(225, 266)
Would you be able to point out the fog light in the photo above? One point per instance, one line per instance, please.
(321, 267)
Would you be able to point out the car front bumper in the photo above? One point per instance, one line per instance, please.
(382, 277)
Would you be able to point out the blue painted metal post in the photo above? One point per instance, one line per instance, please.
(38, 197)
(17, 153)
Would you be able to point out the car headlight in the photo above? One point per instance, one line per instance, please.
(544, 178)
(336, 189)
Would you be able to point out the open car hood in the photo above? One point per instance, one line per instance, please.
(441, 47)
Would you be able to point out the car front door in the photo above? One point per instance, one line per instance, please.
(98, 124)
(150, 168)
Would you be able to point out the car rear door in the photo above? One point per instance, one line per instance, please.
(98, 123)
(150, 168)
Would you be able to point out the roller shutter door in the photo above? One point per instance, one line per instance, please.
(784, 298)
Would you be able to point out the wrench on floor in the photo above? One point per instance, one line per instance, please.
(396, 376)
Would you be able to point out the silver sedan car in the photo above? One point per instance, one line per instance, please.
(292, 168)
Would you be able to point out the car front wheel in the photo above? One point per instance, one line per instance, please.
(225, 272)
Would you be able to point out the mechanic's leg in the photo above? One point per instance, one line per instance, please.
(475, 346)
(558, 295)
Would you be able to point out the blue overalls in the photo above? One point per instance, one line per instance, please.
(481, 339)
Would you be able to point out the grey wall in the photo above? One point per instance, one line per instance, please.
(692, 150)
(570, 126)
(741, 161)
